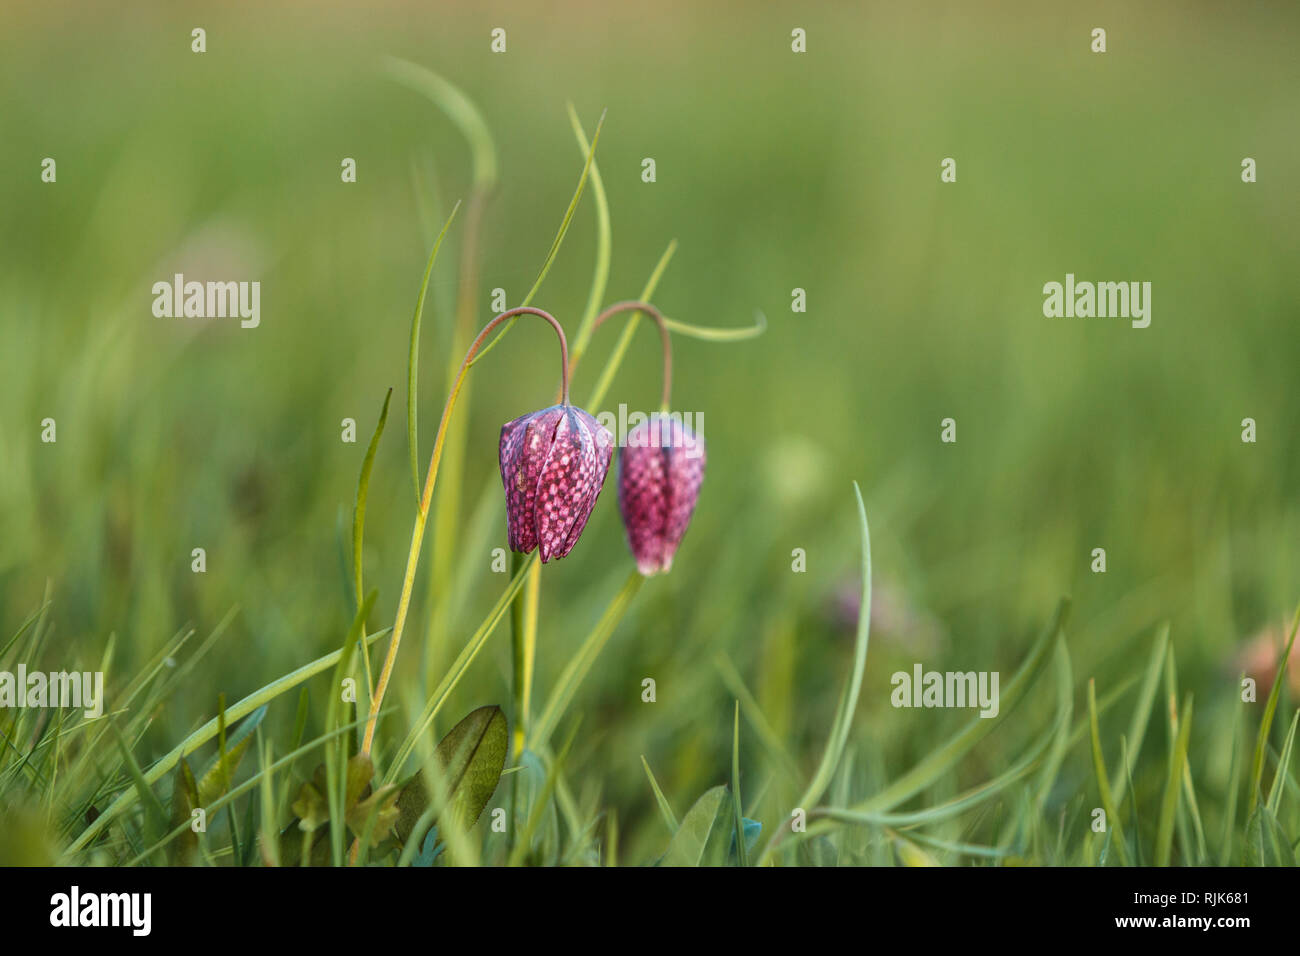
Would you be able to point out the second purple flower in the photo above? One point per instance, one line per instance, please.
(661, 469)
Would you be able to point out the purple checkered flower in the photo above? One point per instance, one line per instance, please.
(660, 469)
(553, 466)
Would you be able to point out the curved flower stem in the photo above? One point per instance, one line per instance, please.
(422, 516)
(524, 610)
(650, 310)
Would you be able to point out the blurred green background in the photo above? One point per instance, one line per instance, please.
(774, 171)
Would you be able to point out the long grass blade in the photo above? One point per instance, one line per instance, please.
(848, 706)
(1283, 767)
(221, 802)
(1234, 784)
(625, 337)
(1113, 827)
(363, 491)
(1266, 724)
(459, 109)
(578, 666)
(943, 758)
(525, 839)
(665, 809)
(1173, 786)
(205, 733)
(458, 669)
(604, 242)
(1064, 718)
(413, 363)
(1142, 712)
(555, 246)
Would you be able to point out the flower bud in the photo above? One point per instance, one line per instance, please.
(660, 468)
(553, 465)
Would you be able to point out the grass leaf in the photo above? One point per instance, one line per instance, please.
(1234, 772)
(709, 815)
(336, 774)
(458, 669)
(1266, 841)
(600, 273)
(1064, 718)
(542, 803)
(848, 705)
(941, 759)
(218, 777)
(1168, 806)
(665, 808)
(205, 733)
(554, 250)
(1279, 778)
(459, 109)
(413, 370)
(625, 337)
(1113, 827)
(576, 670)
(363, 489)
(155, 815)
(471, 758)
(1266, 724)
(1142, 712)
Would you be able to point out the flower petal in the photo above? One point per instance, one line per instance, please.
(603, 443)
(643, 499)
(685, 472)
(523, 448)
(660, 473)
(570, 481)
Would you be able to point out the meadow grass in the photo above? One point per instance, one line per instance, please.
(1126, 697)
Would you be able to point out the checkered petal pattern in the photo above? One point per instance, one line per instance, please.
(553, 466)
(661, 469)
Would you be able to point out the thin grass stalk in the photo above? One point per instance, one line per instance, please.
(421, 518)
(209, 730)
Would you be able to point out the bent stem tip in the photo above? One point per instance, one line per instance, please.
(421, 518)
(636, 306)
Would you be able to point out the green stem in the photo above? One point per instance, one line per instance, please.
(447, 511)
(523, 619)
(581, 662)
(625, 340)
(422, 516)
(645, 307)
(458, 669)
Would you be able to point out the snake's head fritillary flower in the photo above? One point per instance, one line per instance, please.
(660, 471)
(553, 465)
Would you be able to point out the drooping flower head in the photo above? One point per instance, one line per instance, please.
(660, 470)
(562, 448)
(553, 466)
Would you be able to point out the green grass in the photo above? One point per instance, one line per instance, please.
(1120, 691)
